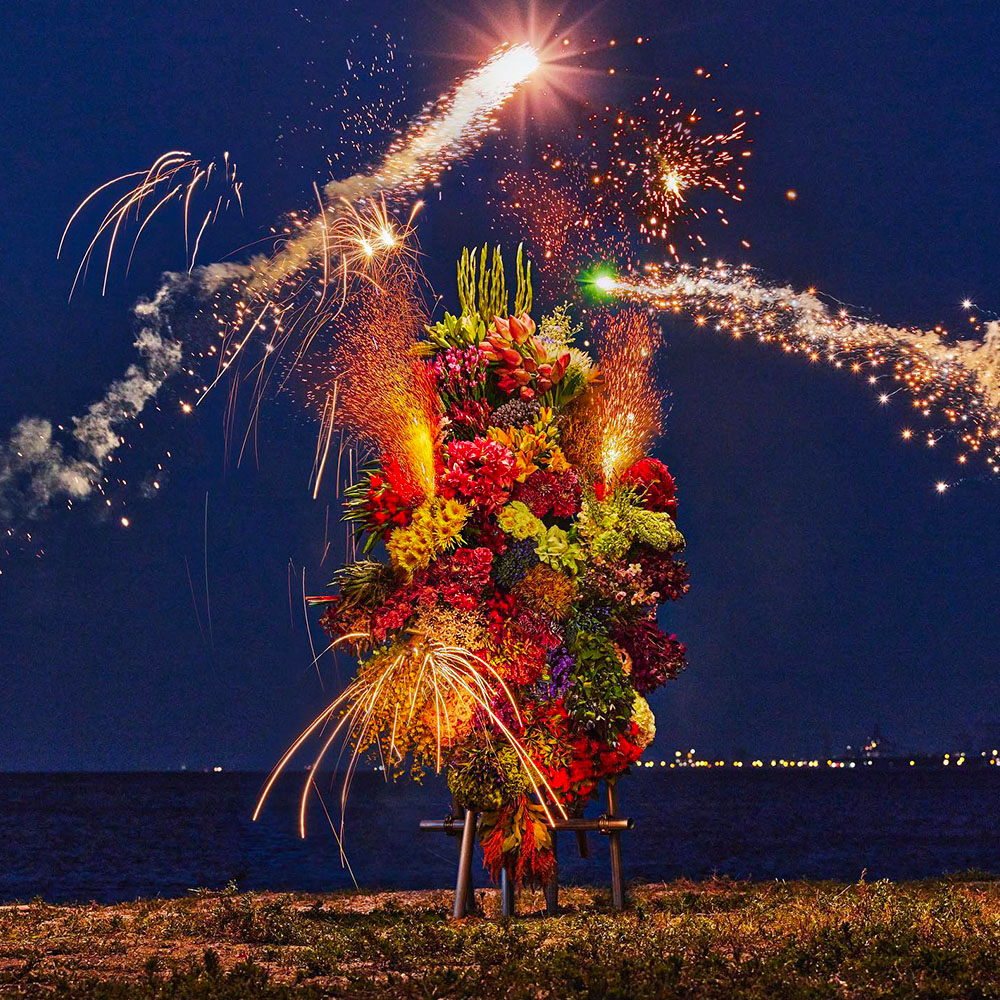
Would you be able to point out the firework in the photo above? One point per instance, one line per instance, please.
(657, 166)
(448, 130)
(172, 177)
(657, 162)
(567, 222)
(400, 706)
(953, 385)
(353, 239)
(387, 396)
(619, 417)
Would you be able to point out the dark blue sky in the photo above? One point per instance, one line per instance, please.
(832, 589)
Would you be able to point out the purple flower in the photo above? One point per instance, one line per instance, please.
(559, 676)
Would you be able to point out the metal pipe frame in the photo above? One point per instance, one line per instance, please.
(507, 899)
(608, 823)
(463, 885)
(601, 824)
(615, 850)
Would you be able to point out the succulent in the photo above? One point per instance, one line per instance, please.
(467, 330)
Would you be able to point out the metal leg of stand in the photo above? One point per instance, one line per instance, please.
(463, 886)
(506, 895)
(615, 850)
(582, 843)
(552, 889)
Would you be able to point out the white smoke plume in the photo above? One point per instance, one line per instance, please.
(42, 465)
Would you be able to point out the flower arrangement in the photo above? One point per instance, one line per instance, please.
(509, 635)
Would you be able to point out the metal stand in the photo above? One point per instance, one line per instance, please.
(463, 884)
(552, 889)
(615, 851)
(506, 895)
(608, 823)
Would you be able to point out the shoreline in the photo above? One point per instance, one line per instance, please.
(714, 939)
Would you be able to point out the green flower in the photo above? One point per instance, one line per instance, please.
(518, 521)
(556, 550)
(656, 529)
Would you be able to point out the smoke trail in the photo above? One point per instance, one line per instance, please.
(42, 465)
(954, 382)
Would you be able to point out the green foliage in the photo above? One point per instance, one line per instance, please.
(523, 295)
(466, 330)
(201, 981)
(486, 776)
(365, 583)
(600, 697)
(482, 292)
(612, 525)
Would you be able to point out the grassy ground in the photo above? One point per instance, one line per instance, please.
(693, 940)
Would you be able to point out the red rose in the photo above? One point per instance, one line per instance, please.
(652, 478)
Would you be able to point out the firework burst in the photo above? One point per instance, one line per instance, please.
(657, 163)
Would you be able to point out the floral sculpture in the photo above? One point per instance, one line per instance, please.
(508, 635)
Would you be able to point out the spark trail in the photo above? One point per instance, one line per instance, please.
(953, 385)
(450, 129)
(41, 464)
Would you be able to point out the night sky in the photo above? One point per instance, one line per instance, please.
(832, 589)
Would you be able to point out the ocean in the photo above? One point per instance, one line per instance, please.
(114, 837)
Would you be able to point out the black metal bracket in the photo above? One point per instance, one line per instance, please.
(609, 823)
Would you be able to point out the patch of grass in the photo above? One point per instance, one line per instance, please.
(717, 940)
(204, 980)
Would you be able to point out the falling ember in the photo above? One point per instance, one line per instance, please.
(172, 177)
(953, 384)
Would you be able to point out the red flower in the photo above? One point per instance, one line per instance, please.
(480, 470)
(544, 492)
(653, 479)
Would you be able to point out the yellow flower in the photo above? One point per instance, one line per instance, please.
(518, 521)
(645, 721)
(436, 527)
(557, 460)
